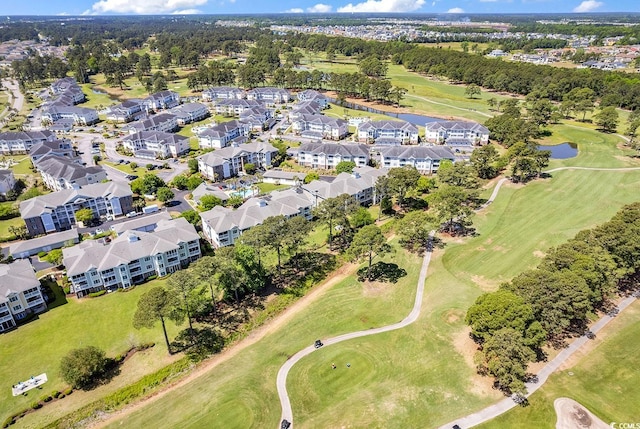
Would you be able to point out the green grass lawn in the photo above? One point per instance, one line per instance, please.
(604, 381)
(5, 224)
(420, 376)
(38, 346)
(23, 165)
(265, 188)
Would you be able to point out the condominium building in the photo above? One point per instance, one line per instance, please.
(223, 93)
(223, 226)
(60, 172)
(161, 100)
(320, 127)
(189, 112)
(20, 293)
(7, 181)
(163, 122)
(269, 96)
(328, 155)
(388, 132)
(445, 131)
(56, 211)
(22, 141)
(223, 135)
(426, 159)
(311, 95)
(132, 257)
(228, 162)
(156, 144)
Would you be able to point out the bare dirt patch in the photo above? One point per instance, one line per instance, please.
(572, 415)
(453, 316)
(374, 289)
(484, 284)
(464, 345)
(539, 254)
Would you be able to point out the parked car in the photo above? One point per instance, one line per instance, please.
(318, 344)
(132, 214)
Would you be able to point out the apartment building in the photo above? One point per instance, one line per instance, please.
(20, 293)
(440, 132)
(132, 257)
(224, 163)
(320, 127)
(426, 159)
(223, 135)
(22, 141)
(327, 156)
(56, 211)
(387, 132)
(156, 144)
(60, 172)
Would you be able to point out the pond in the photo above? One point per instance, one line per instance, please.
(412, 118)
(561, 151)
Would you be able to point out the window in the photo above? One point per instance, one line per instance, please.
(13, 298)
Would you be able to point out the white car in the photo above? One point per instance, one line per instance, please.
(132, 214)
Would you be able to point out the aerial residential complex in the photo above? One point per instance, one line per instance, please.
(387, 132)
(156, 144)
(56, 211)
(22, 141)
(20, 293)
(132, 257)
(228, 162)
(327, 156)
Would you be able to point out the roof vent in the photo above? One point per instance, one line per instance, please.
(261, 203)
(133, 238)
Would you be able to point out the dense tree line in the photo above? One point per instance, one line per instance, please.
(552, 303)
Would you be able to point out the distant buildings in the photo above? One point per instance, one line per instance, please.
(127, 111)
(320, 127)
(310, 95)
(22, 141)
(235, 107)
(60, 109)
(327, 156)
(224, 163)
(156, 144)
(7, 181)
(132, 257)
(223, 93)
(60, 172)
(20, 293)
(426, 159)
(56, 211)
(223, 135)
(387, 132)
(163, 122)
(162, 100)
(189, 112)
(223, 226)
(440, 132)
(61, 148)
(269, 96)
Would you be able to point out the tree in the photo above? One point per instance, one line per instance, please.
(472, 90)
(194, 181)
(460, 174)
(345, 167)
(81, 368)
(504, 309)
(506, 356)
(164, 194)
(581, 100)
(192, 216)
(368, 242)
(401, 180)
(182, 284)
(454, 206)
(311, 176)
(85, 216)
(250, 168)
(415, 230)
(54, 257)
(193, 165)
(275, 233)
(298, 229)
(179, 182)
(96, 159)
(205, 270)
(207, 202)
(541, 112)
(483, 161)
(133, 165)
(157, 304)
(361, 217)
(147, 184)
(333, 210)
(607, 119)
(373, 67)
(559, 299)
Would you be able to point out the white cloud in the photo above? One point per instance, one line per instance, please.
(187, 12)
(320, 8)
(373, 6)
(588, 6)
(456, 10)
(145, 6)
(295, 10)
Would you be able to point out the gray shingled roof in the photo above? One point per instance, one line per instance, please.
(218, 156)
(140, 222)
(128, 247)
(417, 152)
(16, 277)
(25, 135)
(388, 125)
(456, 125)
(61, 167)
(45, 240)
(334, 149)
(47, 203)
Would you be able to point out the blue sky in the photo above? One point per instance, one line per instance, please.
(104, 7)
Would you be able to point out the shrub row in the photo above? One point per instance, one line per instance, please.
(97, 294)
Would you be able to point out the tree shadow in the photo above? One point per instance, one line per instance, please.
(382, 272)
(199, 343)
